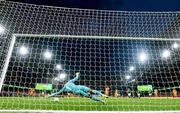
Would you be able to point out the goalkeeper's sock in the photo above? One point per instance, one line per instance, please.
(97, 92)
(105, 96)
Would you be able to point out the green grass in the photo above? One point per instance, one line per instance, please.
(77, 103)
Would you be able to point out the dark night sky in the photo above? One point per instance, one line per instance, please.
(129, 5)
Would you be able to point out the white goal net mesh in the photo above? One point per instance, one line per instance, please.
(131, 57)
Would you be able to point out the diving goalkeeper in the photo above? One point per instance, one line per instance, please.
(82, 90)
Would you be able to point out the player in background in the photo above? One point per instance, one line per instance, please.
(71, 87)
(174, 93)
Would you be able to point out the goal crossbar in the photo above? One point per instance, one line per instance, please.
(97, 37)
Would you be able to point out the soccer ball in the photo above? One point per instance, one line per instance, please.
(56, 99)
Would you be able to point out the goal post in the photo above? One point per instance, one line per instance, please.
(2, 77)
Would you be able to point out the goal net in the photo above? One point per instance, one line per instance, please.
(126, 61)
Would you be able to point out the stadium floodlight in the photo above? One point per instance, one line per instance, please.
(133, 80)
(166, 54)
(58, 67)
(48, 55)
(131, 68)
(175, 45)
(60, 77)
(127, 77)
(23, 50)
(143, 57)
(2, 29)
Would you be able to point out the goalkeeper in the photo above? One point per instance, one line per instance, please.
(82, 90)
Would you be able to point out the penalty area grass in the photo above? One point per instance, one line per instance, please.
(85, 104)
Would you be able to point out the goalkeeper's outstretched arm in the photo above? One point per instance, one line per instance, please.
(59, 92)
(75, 79)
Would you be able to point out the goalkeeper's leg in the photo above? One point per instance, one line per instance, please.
(87, 89)
(98, 93)
(81, 92)
(97, 99)
(54, 94)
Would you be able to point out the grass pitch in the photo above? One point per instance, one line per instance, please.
(78, 103)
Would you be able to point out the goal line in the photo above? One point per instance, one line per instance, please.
(60, 111)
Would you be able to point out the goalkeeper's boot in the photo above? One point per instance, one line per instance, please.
(104, 102)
